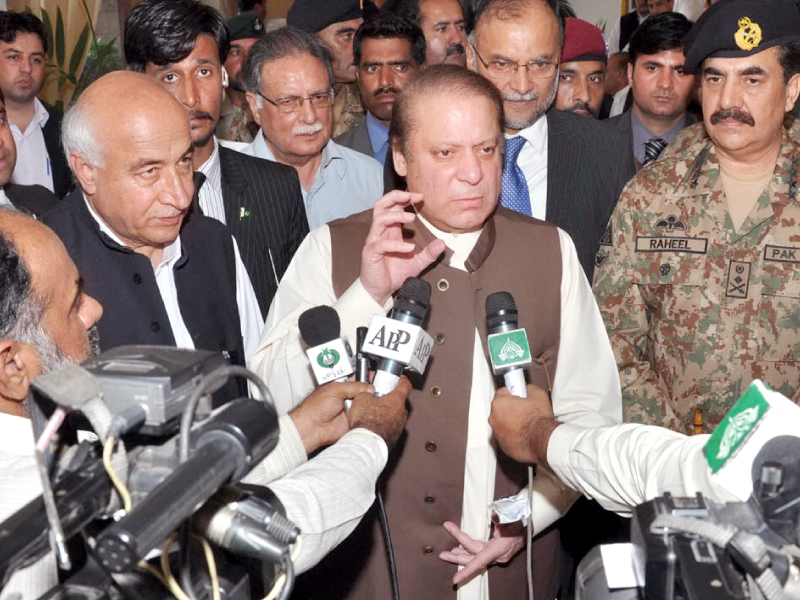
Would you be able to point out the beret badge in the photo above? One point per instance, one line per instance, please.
(748, 36)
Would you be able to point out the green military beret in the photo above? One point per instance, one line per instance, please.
(313, 16)
(737, 28)
(245, 25)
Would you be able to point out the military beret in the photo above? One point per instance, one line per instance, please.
(245, 25)
(314, 16)
(737, 28)
(582, 41)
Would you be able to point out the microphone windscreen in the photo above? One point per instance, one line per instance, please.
(319, 325)
(414, 297)
(500, 308)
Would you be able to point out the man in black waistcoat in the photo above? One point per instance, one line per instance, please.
(183, 44)
(164, 275)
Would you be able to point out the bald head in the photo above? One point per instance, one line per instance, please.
(94, 122)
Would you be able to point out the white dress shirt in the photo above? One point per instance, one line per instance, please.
(249, 313)
(532, 160)
(19, 484)
(33, 162)
(210, 194)
(586, 388)
(622, 466)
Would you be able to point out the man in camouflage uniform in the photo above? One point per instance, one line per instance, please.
(699, 280)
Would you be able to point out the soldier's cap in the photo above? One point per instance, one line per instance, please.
(245, 25)
(313, 16)
(582, 41)
(738, 28)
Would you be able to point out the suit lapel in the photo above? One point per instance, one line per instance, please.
(234, 186)
(558, 145)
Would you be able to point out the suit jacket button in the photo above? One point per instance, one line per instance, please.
(436, 391)
(155, 326)
(137, 279)
(430, 499)
(426, 549)
(443, 285)
(431, 446)
(439, 338)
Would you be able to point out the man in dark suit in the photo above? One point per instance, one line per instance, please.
(623, 29)
(660, 87)
(258, 200)
(36, 126)
(558, 166)
(388, 51)
(33, 199)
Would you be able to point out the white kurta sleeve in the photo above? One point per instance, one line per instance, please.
(622, 466)
(328, 496)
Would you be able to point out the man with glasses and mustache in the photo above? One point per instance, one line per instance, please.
(559, 166)
(289, 77)
(388, 52)
(699, 289)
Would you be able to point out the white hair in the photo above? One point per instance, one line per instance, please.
(77, 135)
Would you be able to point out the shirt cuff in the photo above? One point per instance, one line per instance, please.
(558, 449)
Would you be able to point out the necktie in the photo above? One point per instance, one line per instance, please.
(652, 148)
(513, 188)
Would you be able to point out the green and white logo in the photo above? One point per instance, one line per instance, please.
(328, 358)
(735, 427)
(509, 349)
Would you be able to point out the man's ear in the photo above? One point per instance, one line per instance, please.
(792, 91)
(14, 373)
(251, 101)
(399, 159)
(84, 172)
(630, 72)
(471, 58)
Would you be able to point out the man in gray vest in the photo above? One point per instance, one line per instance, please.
(447, 141)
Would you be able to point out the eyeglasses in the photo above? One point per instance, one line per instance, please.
(500, 68)
(292, 104)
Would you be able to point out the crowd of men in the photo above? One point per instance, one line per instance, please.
(638, 198)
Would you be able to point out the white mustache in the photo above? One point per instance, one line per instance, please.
(307, 129)
(517, 97)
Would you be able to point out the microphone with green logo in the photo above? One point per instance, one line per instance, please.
(329, 354)
(508, 344)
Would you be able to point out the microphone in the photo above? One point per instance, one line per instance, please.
(362, 360)
(237, 436)
(329, 355)
(508, 344)
(399, 339)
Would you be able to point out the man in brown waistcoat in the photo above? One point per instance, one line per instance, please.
(447, 141)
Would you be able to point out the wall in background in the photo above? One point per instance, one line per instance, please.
(598, 12)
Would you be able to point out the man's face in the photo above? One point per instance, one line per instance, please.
(386, 66)
(445, 29)
(22, 65)
(144, 186)
(297, 136)
(655, 7)
(8, 150)
(581, 85)
(532, 40)
(642, 8)
(744, 102)
(196, 82)
(661, 87)
(339, 40)
(454, 160)
(235, 61)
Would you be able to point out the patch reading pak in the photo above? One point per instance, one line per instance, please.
(671, 244)
(785, 254)
(748, 36)
(738, 279)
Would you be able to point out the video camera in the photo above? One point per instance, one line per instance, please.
(110, 504)
(694, 549)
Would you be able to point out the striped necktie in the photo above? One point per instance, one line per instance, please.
(652, 148)
(513, 187)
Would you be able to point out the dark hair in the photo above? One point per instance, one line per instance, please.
(162, 32)
(408, 9)
(789, 57)
(14, 23)
(516, 9)
(286, 41)
(445, 79)
(385, 26)
(245, 5)
(658, 33)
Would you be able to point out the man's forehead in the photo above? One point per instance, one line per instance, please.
(23, 38)
(767, 58)
(380, 47)
(205, 51)
(290, 72)
(673, 56)
(445, 9)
